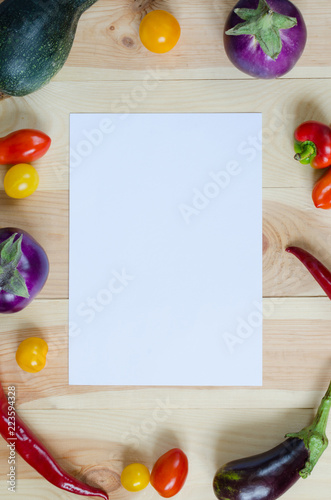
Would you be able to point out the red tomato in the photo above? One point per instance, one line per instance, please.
(169, 473)
(322, 192)
(23, 146)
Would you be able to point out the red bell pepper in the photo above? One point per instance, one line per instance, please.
(322, 192)
(23, 146)
(321, 274)
(312, 144)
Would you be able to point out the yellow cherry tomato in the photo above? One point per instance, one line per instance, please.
(21, 180)
(31, 354)
(135, 477)
(159, 31)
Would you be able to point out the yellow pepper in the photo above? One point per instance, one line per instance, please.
(31, 354)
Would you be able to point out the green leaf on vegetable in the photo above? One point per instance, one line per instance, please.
(264, 24)
(10, 251)
(16, 285)
(11, 281)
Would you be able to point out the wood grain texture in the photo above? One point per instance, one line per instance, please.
(288, 212)
(289, 218)
(95, 431)
(296, 358)
(96, 445)
(116, 51)
(283, 103)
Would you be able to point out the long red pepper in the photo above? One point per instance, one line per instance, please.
(321, 274)
(35, 454)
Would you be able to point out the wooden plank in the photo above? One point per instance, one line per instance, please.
(98, 444)
(117, 51)
(79, 74)
(296, 358)
(45, 217)
(283, 103)
(107, 44)
(97, 430)
(289, 218)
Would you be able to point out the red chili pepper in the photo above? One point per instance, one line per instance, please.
(321, 274)
(15, 432)
(23, 146)
(312, 144)
(322, 192)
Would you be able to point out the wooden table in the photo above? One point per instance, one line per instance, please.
(95, 431)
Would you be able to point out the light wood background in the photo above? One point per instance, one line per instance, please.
(95, 432)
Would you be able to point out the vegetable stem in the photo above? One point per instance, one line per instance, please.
(11, 281)
(265, 25)
(307, 151)
(314, 435)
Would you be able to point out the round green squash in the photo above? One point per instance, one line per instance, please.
(36, 37)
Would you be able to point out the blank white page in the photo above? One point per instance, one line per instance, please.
(165, 249)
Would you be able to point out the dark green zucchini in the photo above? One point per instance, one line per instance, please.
(36, 37)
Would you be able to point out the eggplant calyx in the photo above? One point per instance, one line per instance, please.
(11, 280)
(265, 25)
(314, 436)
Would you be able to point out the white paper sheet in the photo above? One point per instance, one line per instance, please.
(165, 249)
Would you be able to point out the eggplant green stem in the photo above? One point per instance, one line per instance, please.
(314, 436)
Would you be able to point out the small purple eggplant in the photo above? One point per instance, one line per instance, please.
(23, 269)
(263, 39)
(269, 475)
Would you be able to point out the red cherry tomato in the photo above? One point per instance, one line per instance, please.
(322, 192)
(23, 146)
(169, 473)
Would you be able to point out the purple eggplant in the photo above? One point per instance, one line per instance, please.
(269, 475)
(263, 39)
(23, 269)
